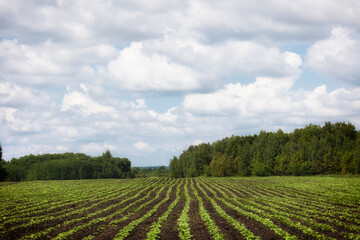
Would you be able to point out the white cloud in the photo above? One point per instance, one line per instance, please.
(19, 122)
(61, 148)
(269, 22)
(135, 71)
(97, 149)
(13, 95)
(15, 57)
(169, 117)
(337, 57)
(293, 59)
(210, 104)
(228, 57)
(83, 104)
(264, 95)
(143, 146)
(127, 21)
(187, 65)
(67, 132)
(197, 142)
(228, 67)
(262, 100)
(49, 63)
(7, 114)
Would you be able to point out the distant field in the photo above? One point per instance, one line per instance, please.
(200, 208)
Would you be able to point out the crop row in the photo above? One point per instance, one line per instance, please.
(60, 209)
(37, 218)
(267, 210)
(240, 208)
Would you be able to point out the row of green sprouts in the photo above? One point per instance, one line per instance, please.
(153, 208)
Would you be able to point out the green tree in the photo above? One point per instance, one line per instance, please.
(3, 172)
(282, 164)
(67, 166)
(333, 148)
(215, 167)
(243, 160)
(107, 155)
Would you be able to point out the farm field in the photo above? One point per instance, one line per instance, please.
(324, 207)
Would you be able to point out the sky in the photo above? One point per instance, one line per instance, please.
(147, 79)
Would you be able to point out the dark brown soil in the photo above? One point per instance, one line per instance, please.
(142, 229)
(239, 192)
(255, 227)
(170, 229)
(106, 231)
(24, 231)
(225, 227)
(197, 227)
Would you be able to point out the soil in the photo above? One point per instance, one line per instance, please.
(197, 226)
(170, 229)
(142, 229)
(24, 231)
(255, 227)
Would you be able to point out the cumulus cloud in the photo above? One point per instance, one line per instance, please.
(49, 63)
(188, 65)
(214, 61)
(273, 21)
(16, 96)
(77, 76)
(143, 146)
(275, 103)
(169, 117)
(135, 71)
(19, 105)
(97, 149)
(213, 21)
(17, 57)
(337, 57)
(82, 103)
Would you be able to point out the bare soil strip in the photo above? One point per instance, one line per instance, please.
(107, 231)
(142, 229)
(257, 228)
(197, 226)
(169, 229)
(133, 206)
(225, 227)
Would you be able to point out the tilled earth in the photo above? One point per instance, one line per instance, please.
(120, 210)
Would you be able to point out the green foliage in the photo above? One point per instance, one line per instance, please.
(3, 172)
(154, 232)
(125, 232)
(183, 221)
(205, 216)
(67, 166)
(143, 172)
(331, 149)
(316, 207)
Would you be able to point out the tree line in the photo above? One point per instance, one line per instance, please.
(331, 149)
(65, 166)
(144, 172)
(2, 169)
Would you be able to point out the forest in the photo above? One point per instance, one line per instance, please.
(330, 149)
(333, 148)
(65, 166)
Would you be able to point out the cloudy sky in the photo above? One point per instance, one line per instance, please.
(146, 79)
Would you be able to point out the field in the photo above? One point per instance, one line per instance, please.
(325, 207)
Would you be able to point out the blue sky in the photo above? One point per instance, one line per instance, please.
(147, 80)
